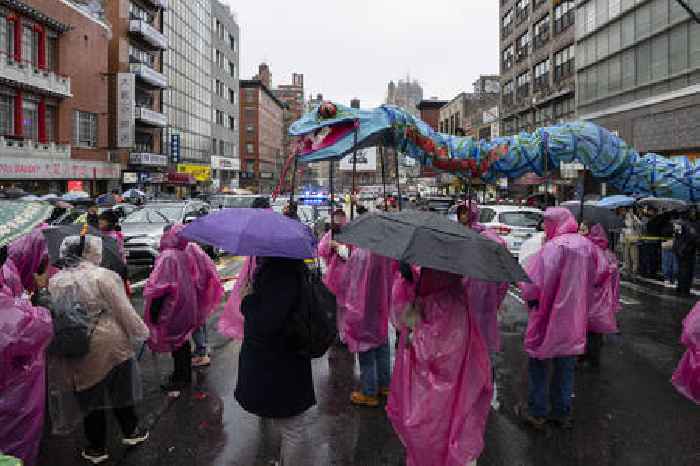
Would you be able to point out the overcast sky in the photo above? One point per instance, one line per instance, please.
(349, 49)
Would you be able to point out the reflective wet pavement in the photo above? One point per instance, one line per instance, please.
(627, 414)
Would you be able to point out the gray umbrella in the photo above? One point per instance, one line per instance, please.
(431, 240)
(594, 214)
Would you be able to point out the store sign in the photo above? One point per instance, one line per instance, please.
(225, 163)
(266, 175)
(145, 158)
(181, 178)
(175, 148)
(200, 172)
(75, 186)
(130, 177)
(19, 168)
(157, 178)
(126, 92)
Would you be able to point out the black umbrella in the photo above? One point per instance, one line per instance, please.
(662, 224)
(111, 258)
(431, 240)
(593, 214)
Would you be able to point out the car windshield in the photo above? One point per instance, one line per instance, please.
(520, 219)
(156, 214)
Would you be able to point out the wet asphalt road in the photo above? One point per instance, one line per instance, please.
(627, 414)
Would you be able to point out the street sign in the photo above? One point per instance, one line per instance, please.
(175, 148)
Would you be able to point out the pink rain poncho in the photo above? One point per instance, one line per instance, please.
(686, 378)
(25, 332)
(606, 296)
(231, 321)
(336, 277)
(11, 279)
(441, 387)
(563, 275)
(28, 253)
(184, 278)
(366, 322)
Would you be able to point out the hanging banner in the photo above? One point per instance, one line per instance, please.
(366, 160)
(126, 102)
(199, 172)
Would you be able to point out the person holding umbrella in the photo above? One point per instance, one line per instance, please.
(685, 239)
(108, 223)
(335, 255)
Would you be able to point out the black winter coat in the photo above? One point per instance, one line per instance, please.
(273, 382)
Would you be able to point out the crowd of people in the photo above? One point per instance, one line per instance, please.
(438, 393)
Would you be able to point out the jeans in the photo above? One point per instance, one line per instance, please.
(95, 425)
(669, 265)
(375, 370)
(200, 341)
(560, 388)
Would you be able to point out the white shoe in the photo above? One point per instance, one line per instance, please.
(668, 284)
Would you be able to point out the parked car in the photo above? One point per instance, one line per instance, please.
(514, 223)
(234, 201)
(143, 229)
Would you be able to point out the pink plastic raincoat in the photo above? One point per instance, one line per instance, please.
(606, 296)
(563, 275)
(686, 378)
(28, 253)
(231, 322)
(179, 278)
(441, 388)
(336, 277)
(25, 332)
(11, 279)
(366, 321)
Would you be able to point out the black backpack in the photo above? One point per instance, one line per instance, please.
(312, 328)
(72, 327)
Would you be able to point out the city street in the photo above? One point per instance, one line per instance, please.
(627, 414)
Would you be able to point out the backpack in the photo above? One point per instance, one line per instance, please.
(72, 327)
(312, 329)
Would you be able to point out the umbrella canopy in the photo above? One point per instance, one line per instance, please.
(49, 197)
(253, 232)
(133, 193)
(106, 200)
(663, 203)
(30, 198)
(613, 202)
(594, 214)
(431, 240)
(75, 195)
(662, 224)
(111, 258)
(18, 218)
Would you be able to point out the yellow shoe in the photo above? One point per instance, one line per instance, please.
(360, 399)
(384, 391)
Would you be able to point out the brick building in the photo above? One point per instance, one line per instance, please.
(292, 95)
(53, 97)
(537, 63)
(136, 85)
(261, 138)
(430, 111)
(638, 70)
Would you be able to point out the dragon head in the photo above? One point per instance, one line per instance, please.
(328, 132)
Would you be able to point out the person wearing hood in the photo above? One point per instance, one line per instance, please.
(108, 222)
(441, 388)
(685, 239)
(175, 302)
(108, 376)
(606, 295)
(559, 296)
(686, 377)
(335, 256)
(25, 332)
(26, 257)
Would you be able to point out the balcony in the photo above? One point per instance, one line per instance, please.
(23, 74)
(162, 4)
(148, 75)
(26, 148)
(150, 117)
(148, 33)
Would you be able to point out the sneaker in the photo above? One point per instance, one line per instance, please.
(385, 391)
(201, 361)
(536, 422)
(668, 284)
(360, 399)
(94, 455)
(136, 438)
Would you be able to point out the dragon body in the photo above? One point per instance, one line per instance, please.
(332, 131)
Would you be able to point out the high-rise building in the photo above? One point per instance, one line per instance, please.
(53, 98)
(537, 63)
(638, 72)
(406, 94)
(292, 95)
(225, 161)
(187, 100)
(137, 81)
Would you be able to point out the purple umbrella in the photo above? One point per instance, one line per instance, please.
(253, 232)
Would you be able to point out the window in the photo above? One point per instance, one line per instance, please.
(615, 69)
(137, 12)
(523, 85)
(589, 13)
(51, 113)
(143, 142)
(85, 129)
(221, 148)
(602, 44)
(522, 46)
(29, 45)
(30, 124)
(137, 55)
(541, 31)
(508, 58)
(250, 95)
(659, 14)
(642, 21)
(7, 114)
(231, 123)
(564, 15)
(628, 69)
(220, 117)
(522, 9)
(614, 35)
(250, 148)
(250, 128)
(542, 74)
(232, 96)
(627, 36)
(508, 93)
(232, 42)
(613, 8)
(507, 23)
(601, 10)
(694, 33)
(564, 63)
(51, 52)
(213, 146)
(232, 69)
(659, 57)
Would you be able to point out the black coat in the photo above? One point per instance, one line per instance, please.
(273, 382)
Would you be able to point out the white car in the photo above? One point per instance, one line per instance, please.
(513, 223)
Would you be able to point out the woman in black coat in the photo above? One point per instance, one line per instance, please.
(273, 381)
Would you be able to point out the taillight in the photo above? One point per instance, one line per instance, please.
(503, 230)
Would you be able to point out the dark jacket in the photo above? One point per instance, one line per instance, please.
(273, 381)
(685, 242)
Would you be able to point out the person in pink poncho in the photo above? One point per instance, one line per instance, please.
(606, 297)
(335, 256)
(563, 275)
(26, 256)
(441, 388)
(25, 332)
(686, 377)
(181, 293)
